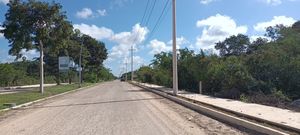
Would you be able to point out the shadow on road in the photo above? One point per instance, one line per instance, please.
(139, 90)
(93, 103)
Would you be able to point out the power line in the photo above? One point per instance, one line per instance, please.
(153, 30)
(135, 39)
(148, 19)
(159, 20)
(151, 11)
(145, 12)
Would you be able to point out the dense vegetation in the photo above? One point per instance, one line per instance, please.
(264, 71)
(35, 24)
(27, 72)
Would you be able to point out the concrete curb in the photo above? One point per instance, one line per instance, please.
(282, 126)
(260, 120)
(46, 98)
(217, 114)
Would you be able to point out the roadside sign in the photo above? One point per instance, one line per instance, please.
(63, 63)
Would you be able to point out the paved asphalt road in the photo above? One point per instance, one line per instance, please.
(115, 108)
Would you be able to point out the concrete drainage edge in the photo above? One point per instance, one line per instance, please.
(260, 120)
(46, 98)
(270, 123)
(217, 114)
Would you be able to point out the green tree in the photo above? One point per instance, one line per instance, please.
(187, 78)
(263, 71)
(29, 24)
(145, 74)
(93, 54)
(230, 78)
(273, 32)
(97, 54)
(296, 26)
(162, 65)
(234, 45)
(7, 74)
(96, 49)
(276, 64)
(254, 46)
(105, 74)
(36, 25)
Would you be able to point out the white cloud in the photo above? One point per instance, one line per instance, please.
(137, 60)
(286, 21)
(136, 36)
(85, 13)
(272, 2)
(159, 46)
(102, 12)
(124, 40)
(217, 28)
(276, 2)
(125, 60)
(179, 41)
(206, 1)
(7, 59)
(119, 3)
(30, 54)
(4, 1)
(127, 39)
(137, 63)
(1, 34)
(95, 31)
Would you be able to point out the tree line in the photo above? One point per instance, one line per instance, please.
(31, 24)
(265, 71)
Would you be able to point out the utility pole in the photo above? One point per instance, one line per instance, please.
(80, 69)
(126, 70)
(41, 67)
(131, 62)
(175, 79)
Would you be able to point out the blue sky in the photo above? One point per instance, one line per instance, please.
(200, 24)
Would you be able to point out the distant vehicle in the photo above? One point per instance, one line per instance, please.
(122, 79)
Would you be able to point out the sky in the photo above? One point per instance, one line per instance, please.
(121, 24)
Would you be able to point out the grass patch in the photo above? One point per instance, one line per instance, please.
(24, 97)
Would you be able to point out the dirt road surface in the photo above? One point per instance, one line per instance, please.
(110, 108)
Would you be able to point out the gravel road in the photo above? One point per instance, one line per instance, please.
(112, 108)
